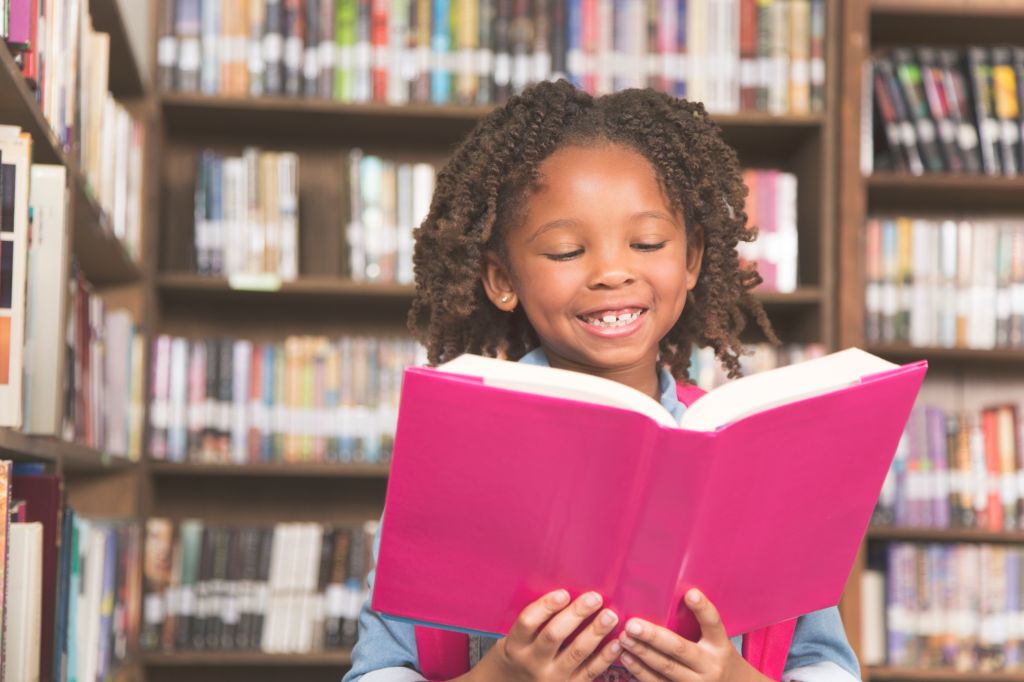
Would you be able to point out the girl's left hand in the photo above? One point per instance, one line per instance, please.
(653, 653)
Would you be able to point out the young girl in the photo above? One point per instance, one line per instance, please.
(597, 235)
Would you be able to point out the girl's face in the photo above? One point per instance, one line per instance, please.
(600, 263)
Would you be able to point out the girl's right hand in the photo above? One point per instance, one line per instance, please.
(532, 652)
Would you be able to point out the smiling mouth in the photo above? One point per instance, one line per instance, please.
(612, 319)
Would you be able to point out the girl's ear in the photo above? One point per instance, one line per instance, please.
(694, 257)
(498, 283)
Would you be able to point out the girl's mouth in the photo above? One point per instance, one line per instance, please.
(613, 322)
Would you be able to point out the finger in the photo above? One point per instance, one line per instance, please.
(599, 662)
(535, 615)
(642, 672)
(581, 649)
(655, 645)
(547, 642)
(711, 627)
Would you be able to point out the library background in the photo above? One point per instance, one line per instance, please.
(206, 215)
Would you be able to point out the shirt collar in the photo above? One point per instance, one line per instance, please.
(666, 383)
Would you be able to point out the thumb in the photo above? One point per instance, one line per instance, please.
(711, 627)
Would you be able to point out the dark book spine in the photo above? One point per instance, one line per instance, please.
(890, 122)
(485, 59)
(231, 593)
(938, 106)
(225, 389)
(502, 51)
(958, 99)
(166, 47)
(273, 48)
(1005, 102)
(266, 546)
(908, 134)
(354, 575)
(202, 613)
(293, 31)
(311, 51)
(980, 74)
(327, 49)
(908, 75)
(334, 612)
(1018, 69)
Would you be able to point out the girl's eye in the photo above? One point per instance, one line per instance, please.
(568, 255)
(649, 247)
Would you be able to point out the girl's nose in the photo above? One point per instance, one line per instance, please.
(611, 270)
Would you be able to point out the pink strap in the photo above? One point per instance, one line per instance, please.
(444, 655)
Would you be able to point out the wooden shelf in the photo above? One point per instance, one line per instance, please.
(71, 456)
(940, 193)
(878, 674)
(904, 534)
(101, 255)
(950, 8)
(283, 470)
(1003, 357)
(245, 658)
(126, 79)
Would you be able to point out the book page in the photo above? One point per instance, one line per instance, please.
(758, 392)
(558, 383)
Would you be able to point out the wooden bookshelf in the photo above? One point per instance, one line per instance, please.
(66, 455)
(272, 470)
(869, 26)
(188, 659)
(127, 78)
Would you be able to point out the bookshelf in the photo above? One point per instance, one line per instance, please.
(869, 26)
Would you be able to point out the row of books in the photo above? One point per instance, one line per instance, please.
(947, 283)
(388, 200)
(286, 588)
(771, 208)
(70, 609)
(763, 55)
(247, 213)
(67, 63)
(306, 399)
(68, 366)
(707, 372)
(952, 606)
(949, 111)
(957, 470)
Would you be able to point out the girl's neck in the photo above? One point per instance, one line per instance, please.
(642, 376)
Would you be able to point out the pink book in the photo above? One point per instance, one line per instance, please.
(509, 483)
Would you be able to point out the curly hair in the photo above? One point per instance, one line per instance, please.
(483, 189)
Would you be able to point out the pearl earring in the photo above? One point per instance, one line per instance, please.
(504, 298)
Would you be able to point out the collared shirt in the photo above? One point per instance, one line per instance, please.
(386, 649)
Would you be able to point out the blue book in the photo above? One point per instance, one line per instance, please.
(574, 41)
(440, 45)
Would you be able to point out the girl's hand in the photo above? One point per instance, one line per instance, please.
(531, 652)
(653, 653)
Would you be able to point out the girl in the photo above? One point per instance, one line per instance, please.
(597, 235)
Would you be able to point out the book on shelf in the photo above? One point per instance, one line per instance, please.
(472, 52)
(247, 214)
(15, 160)
(284, 588)
(71, 597)
(306, 399)
(957, 470)
(387, 200)
(771, 208)
(699, 479)
(46, 301)
(707, 373)
(953, 283)
(943, 110)
(949, 606)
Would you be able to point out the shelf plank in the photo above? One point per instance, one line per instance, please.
(102, 256)
(950, 8)
(18, 107)
(274, 469)
(72, 456)
(904, 534)
(887, 674)
(179, 659)
(126, 78)
(935, 193)
(1008, 357)
(409, 126)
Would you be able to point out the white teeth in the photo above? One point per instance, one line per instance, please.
(613, 320)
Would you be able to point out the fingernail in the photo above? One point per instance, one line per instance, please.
(561, 597)
(608, 618)
(627, 642)
(635, 628)
(616, 647)
(627, 659)
(693, 596)
(592, 599)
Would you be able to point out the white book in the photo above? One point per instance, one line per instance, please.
(15, 157)
(46, 300)
(873, 626)
(177, 421)
(119, 326)
(242, 363)
(24, 602)
(288, 198)
(697, 50)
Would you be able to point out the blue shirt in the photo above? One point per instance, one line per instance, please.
(386, 649)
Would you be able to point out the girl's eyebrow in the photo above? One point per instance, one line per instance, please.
(569, 222)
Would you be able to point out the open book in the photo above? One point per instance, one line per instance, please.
(510, 480)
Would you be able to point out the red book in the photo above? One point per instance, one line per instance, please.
(44, 500)
(994, 506)
(379, 43)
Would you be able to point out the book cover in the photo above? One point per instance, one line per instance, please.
(24, 603)
(15, 158)
(704, 498)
